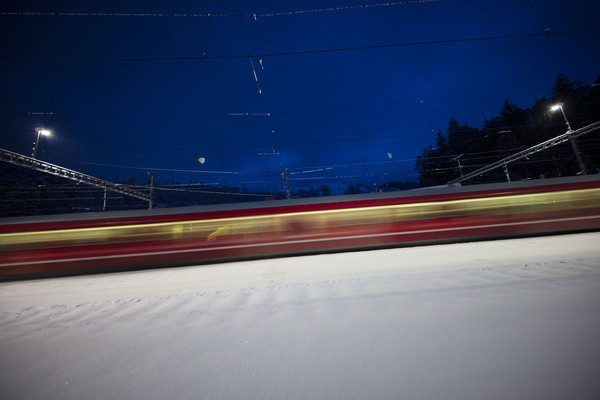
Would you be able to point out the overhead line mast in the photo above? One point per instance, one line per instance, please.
(52, 169)
(569, 135)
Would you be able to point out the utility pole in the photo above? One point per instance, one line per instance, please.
(578, 155)
(105, 203)
(287, 183)
(571, 139)
(460, 167)
(505, 168)
(151, 201)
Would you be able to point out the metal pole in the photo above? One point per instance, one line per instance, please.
(460, 167)
(505, 168)
(578, 155)
(151, 201)
(566, 120)
(574, 144)
(287, 182)
(36, 143)
(105, 204)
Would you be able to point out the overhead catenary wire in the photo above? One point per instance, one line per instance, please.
(252, 172)
(255, 76)
(264, 145)
(544, 26)
(320, 168)
(275, 112)
(159, 188)
(349, 142)
(297, 53)
(262, 67)
(300, 143)
(204, 15)
(158, 169)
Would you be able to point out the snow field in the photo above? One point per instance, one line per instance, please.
(515, 319)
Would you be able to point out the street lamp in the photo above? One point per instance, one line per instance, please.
(572, 139)
(40, 131)
(560, 106)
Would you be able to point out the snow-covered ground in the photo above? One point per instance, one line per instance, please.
(511, 319)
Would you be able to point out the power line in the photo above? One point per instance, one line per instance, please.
(295, 53)
(144, 113)
(342, 8)
(290, 144)
(158, 169)
(395, 103)
(210, 15)
(297, 170)
(57, 199)
(270, 114)
(233, 147)
(158, 188)
(544, 26)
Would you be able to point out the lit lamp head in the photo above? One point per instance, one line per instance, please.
(40, 132)
(44, 132)
(560, 106)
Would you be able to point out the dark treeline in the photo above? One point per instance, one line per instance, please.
(515, 129)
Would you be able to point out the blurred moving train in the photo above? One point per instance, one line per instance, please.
(116, 241)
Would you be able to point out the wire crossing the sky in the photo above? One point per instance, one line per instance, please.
(544, 26)
(208, 15)
(296, 53)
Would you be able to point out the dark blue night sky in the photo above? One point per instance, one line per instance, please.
(126, 94)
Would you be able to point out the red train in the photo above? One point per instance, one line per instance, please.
(114, 241)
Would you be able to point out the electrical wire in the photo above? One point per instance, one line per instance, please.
(157, 169)
(295, 53)
(544, 26)
(158, 188)
(53, 199)
(205, 15)
(274, 113)
(142, 113)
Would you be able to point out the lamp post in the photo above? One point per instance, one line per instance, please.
(40, 131)
(571, 139)
(560, 106)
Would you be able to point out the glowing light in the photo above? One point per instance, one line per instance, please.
(42, 131)
(556, 107)
(390, 155)
(202, 160)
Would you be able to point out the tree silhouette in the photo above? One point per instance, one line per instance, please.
(514, 129)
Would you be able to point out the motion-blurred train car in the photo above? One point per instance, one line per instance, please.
(115, 241)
